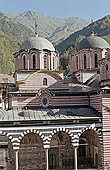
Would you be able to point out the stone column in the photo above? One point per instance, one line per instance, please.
(50, 55)
(47, 160)
(48, 61)
(16, 157)
(75, 158)
(90, 58)
(28, 64)
(47, 157)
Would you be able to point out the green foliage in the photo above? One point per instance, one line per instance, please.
(18, 30)
(8, 46)
(64, 57)
(76, 42)
(107, 38)
(64, 60)
(11, 36)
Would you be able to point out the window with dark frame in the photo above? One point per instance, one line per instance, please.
(53, 62)
(34, 61)
(45, 62)
(96, 60)
(24, 62)
(82, 148)
(52, 161)
(106, 67)
(77, 66)
(45, 82)
(85, 63)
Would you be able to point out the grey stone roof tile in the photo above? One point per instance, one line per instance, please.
(38, 43)
(43, 114)
(92, 42)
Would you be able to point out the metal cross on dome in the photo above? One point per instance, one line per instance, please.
(92, 26)
(36, 27)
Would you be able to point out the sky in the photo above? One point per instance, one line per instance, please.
(86, 9)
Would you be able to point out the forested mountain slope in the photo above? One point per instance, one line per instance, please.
(101, 28)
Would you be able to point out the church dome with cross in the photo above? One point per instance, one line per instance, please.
(84, 62)
(36, 53)
(38, 43)
(93, 42)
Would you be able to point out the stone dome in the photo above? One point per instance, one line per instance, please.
(93, 42)
(39, 43)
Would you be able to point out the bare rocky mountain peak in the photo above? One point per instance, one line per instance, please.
(54, 29)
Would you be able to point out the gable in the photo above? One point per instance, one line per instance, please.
(34, 82)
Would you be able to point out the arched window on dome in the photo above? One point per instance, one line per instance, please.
(96, 60)
(45, 61)
(106, 67)
(85, 62)
(24, 61)
(45, 82)
(77, 66)
(53, 63)
(34, 61)
(107, 72)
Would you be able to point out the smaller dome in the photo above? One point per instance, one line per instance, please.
(39, 43)
(93, 42)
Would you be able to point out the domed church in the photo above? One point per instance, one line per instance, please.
(50, 122)
(36, 53)
(84, 61)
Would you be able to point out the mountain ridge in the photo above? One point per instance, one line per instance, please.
(13, 34)
(54, 29)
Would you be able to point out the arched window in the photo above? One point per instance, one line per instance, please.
(82, 148)
(53, 62)
(24, 61)
(45, 82)
(77, 66)
(96, 60)
(106, 67)
(34, 61)
(45, 62)
(53, 160)
(85, 63)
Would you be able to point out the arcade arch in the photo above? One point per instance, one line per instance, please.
(89, 150)
(61, 152)
(31, 152)
(7, 154)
